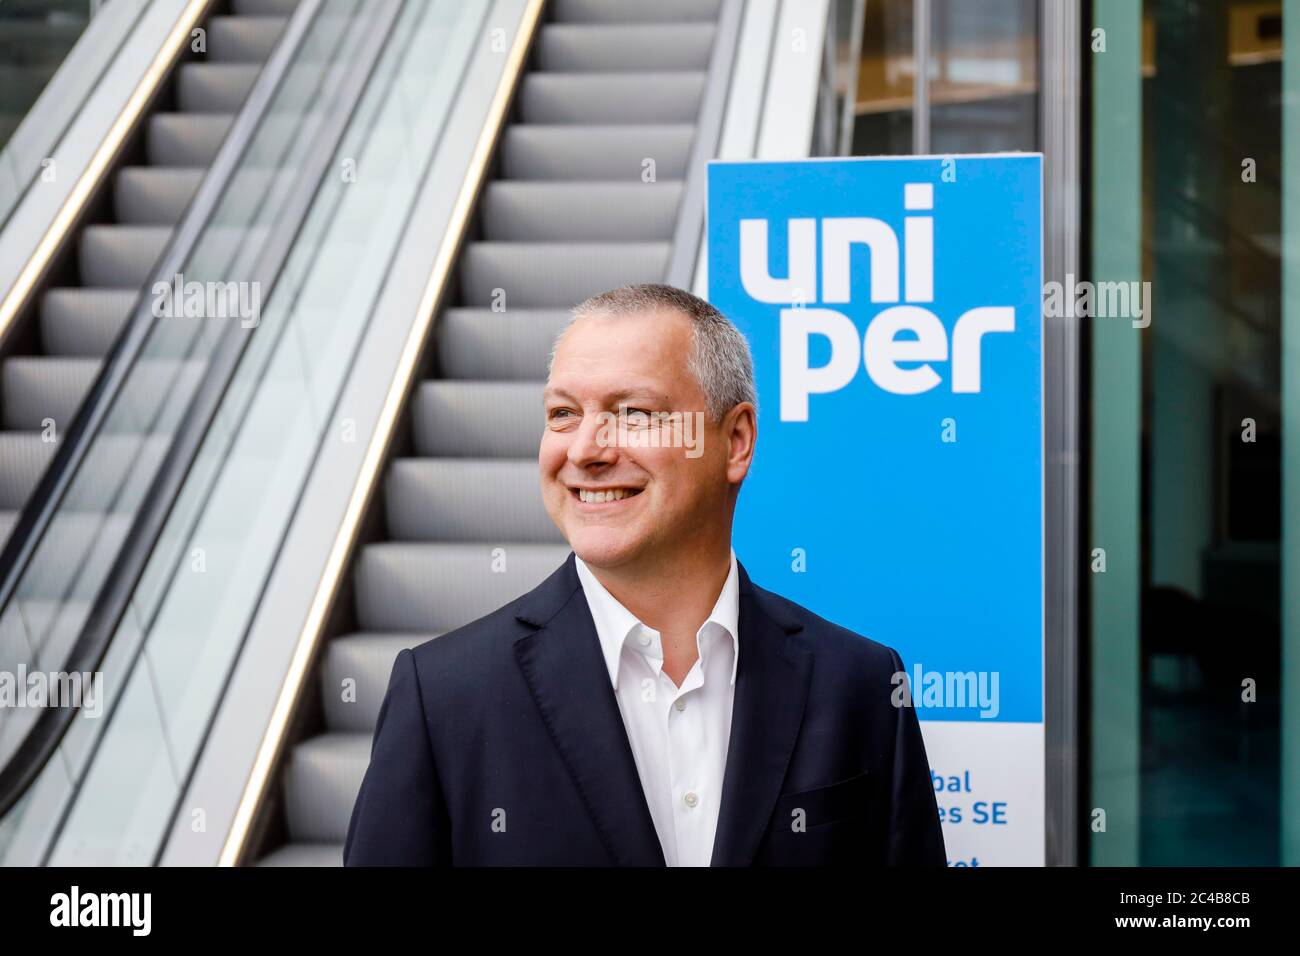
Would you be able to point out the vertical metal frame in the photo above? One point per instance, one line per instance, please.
(688, 237)
(1289, 798)
(1059, 55)
(848, 111)
(920, 77)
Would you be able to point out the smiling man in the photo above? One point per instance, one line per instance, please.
(647, 704)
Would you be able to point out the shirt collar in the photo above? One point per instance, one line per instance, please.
(615, 623)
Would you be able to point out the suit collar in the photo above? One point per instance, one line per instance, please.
(565, 669)
(562, 663)
(771, 693)
(615, 624)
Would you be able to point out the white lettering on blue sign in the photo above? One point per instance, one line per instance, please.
(880, 351)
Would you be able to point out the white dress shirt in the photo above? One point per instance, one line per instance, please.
(679, 735)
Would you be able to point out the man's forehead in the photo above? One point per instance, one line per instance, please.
(608, 356)
(628, 341)
(603, 389)
(652, 323)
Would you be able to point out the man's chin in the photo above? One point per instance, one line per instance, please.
(602, 548)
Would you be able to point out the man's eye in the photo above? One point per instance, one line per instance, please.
(558, 414)
(638, 417)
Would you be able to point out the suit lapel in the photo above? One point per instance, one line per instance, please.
(771, 690)
(566, 673)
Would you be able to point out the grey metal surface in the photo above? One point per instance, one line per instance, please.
(1059, 104)
(642, 46)
(482, 344)
(476, 419)
(595, 152)
(611, 97)
(689, 235)
(532, 211)
(554, 275)
(921, 26)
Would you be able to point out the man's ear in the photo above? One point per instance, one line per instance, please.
(740, 430)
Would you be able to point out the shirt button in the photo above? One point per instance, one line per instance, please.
(681, 703)
(691, 799)
(643, 639)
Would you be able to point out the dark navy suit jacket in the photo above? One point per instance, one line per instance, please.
(501, 743)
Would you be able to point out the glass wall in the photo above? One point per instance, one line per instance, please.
(1189, 596)
(35, 36)
(983, 75)
(1187, 418)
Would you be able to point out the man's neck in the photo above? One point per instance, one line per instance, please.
(675, 595)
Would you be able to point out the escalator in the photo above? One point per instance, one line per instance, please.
(586, 195)
(53, 353)
(215, 175)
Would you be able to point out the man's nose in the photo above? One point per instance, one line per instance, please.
(593, 444)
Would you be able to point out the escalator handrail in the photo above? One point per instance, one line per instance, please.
(46, 733)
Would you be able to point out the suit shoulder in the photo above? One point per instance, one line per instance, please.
(473, 645)
(828, 639)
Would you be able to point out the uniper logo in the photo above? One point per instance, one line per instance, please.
(881, 350)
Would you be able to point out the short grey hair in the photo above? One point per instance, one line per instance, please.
(719, 358)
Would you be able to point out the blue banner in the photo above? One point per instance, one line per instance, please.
(894, 308)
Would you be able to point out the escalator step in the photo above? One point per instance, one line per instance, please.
(24, 457)
(591, 152)
(467, 499)
(666, 46)
(611, 97)
(477, 419)
(214, 87)
(121, 257)
(304, 854)
(185, 139)
(84, 321)
(263, 8)
(321, 782)
(152, 195)
(634, 11)
(403, 586)
(511, 345)
(36, 388)
(555, 275)
(580, 212)
(367, 660)
(243, 39)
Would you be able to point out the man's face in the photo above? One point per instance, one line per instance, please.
(617, 504)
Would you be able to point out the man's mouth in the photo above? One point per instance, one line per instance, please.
(594, 496)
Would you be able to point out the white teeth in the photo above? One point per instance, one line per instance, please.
(600, 497)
